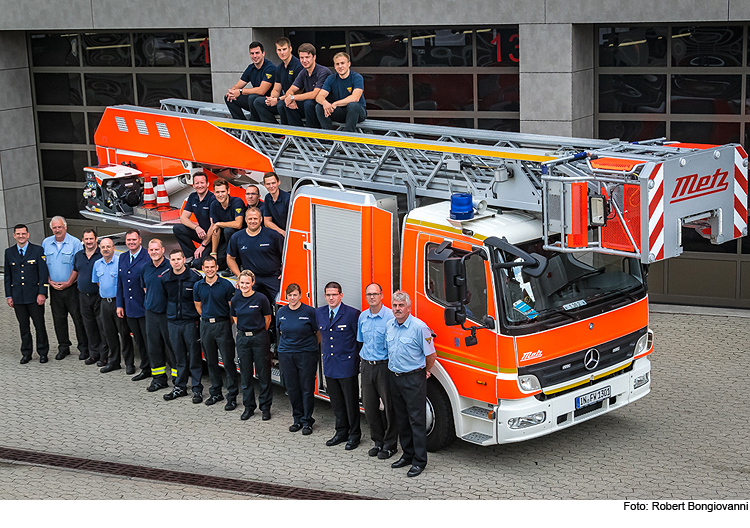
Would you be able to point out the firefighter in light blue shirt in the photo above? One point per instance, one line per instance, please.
(371, 329)
(105, 273)
(60, 250)
(411, 354)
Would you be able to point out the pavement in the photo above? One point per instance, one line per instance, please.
(687, 439)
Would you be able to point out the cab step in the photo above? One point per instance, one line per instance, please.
(476, 438)
(488, 415)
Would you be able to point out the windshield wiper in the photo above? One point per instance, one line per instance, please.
(577, 279)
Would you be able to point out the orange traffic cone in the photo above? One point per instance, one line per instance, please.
(149, 197)
(162, 200)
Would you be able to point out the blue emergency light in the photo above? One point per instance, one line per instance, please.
(461, 206)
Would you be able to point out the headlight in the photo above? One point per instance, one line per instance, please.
(642, 345)
(640, 381)
(522, 422)
(529, 383)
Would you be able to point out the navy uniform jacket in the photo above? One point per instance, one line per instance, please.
(26, 277)
(339, 345)
(129, 292)
(179, 291)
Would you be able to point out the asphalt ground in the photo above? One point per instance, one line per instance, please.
(688, 439)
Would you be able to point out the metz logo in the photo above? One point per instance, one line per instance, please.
(694, 186)
(528, 356)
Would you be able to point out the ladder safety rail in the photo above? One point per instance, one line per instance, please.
(650, 190)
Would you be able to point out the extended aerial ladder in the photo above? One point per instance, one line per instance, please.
(636, 196)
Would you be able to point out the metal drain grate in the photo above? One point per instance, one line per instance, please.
(176, 477)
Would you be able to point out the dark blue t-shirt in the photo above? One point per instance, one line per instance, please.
(307, 83)
(156, 298)
(235, 208)
(285, 75)
(255, 76)
(339, 88)
(297, 329)
(84, 266)
(214, 298)
(200, 208)
(278, 210)
(261, 253)
(250, 311)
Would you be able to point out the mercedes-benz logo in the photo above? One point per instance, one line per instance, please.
(591, 359)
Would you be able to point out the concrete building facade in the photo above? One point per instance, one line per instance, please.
(591, 68)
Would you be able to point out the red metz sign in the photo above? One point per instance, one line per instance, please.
(693, 186)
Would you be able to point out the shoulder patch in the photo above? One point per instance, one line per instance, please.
(269, 75)
(349, 89)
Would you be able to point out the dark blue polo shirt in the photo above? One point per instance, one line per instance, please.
(261, 253)
(339, 88)
(308, 83)
(297, 329)
(84, 266)
(156, 298)
(255, 76)
(250, 311)
(235, 208)
(214, 298)
(278, 210)
(285, 75)
(200, 208)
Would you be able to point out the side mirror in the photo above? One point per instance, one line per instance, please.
(454, 273)
(454, 316)
(488, 322)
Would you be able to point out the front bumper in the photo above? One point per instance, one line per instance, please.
(561, 411)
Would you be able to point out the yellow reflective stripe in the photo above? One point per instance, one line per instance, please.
(424, 223)
(598, 376)
(158, 371)
(441, 352)
(174, 372)
(405, 143)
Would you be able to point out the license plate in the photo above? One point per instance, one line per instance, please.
(593, 397)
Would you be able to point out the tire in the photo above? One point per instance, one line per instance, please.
(441, 430)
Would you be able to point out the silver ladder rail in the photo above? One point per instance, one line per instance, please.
(508, 170)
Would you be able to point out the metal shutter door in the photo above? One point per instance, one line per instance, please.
(337, 248)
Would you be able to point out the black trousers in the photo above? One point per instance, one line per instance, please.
(116, 332)
(137, 327)
(187, 353)
(221, 250)
(64, 302)
(344, 394)
(90, 304)
(185, 237)
(243, 102)
(25, 313)
(159, 350)
(299, 371)
(217, 338)
(409, 392)
(255, 351)
(376, 382)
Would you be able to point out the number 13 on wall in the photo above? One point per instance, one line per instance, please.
(512, 43)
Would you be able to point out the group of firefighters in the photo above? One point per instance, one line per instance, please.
(173, 313)
(298, 89)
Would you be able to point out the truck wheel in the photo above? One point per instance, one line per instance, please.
(441, 431)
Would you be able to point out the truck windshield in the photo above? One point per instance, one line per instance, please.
(571, 286)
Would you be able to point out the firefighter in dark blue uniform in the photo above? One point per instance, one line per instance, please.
(337, 324)
(130, 298)
(182, 317)
(155, 305)
(26, 278)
